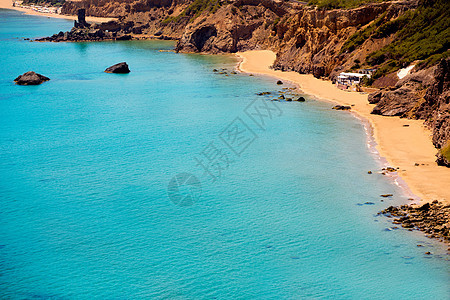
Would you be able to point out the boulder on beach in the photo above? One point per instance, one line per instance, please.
(121, 68)
(31, 78)
(342, 107)
(279, 82)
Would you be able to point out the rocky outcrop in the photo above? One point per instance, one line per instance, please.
(81, 22)
(94, 32)
(430, 218)
(120, 68)
(30, 78)
(423, 95)
(242, 25)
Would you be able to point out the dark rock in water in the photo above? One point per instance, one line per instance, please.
(431, 218)
(263, 93)
(31, 78)
(301, 99)
(121, 68)
(279, 82)
(125, 37)
(390, 169)
(386, 195)
(342, 107)
(288, 99)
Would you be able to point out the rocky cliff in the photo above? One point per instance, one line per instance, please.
(425, 95)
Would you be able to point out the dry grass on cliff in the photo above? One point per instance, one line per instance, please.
(445, 151)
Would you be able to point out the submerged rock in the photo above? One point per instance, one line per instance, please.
(31, 78)
(120, 68)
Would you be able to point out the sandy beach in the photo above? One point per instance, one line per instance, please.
(401, 146)
(8, 4)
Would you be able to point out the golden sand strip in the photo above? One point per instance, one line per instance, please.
(8, 4)
(401, 146)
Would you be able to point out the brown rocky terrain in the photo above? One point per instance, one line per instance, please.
(425, 95)
(431, 218)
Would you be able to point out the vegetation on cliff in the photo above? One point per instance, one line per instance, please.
(421, 34)
(334, 4)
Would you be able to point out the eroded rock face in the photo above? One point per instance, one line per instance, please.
(31, 78)
(201, 37)
(120, 68)
(422, 95)
(95, 32)
(397, 102)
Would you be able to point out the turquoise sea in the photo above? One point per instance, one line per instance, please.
(273, 206)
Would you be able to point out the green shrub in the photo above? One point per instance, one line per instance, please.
(195, 9)
(333, 4)
(359, 37)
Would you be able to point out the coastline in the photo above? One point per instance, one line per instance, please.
(398, 145)
(7, 4)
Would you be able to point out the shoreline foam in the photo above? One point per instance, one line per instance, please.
(7, 4)
(398, 145)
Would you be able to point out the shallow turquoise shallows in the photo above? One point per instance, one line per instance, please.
(86, 160)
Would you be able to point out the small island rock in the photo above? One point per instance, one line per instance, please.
(31, 78)
(120, 68)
